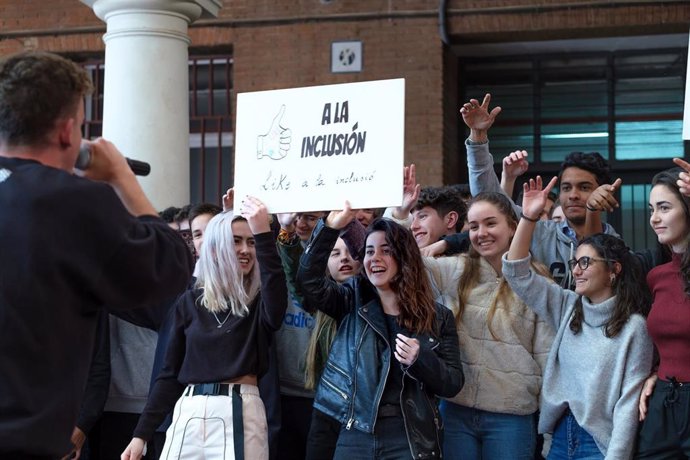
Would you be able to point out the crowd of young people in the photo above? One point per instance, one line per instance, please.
(476, 326)
(451, 326)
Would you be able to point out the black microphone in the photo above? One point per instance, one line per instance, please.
(140, 168)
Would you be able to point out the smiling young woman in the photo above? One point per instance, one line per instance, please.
(396, 350)
(494, 414)
(601, 354)
(663, 434)
(210, 372)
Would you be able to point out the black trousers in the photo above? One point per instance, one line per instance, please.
(323, 436)
(111, 435)
(294, 429)
(665, 433)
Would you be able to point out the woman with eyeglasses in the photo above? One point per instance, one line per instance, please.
(665, 400)
(602, 353)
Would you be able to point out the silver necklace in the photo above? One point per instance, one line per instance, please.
(220, 324)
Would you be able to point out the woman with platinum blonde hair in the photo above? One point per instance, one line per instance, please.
(219, 346)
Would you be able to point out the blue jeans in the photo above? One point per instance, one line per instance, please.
(477, 434)
(388, 442)
(570, 441)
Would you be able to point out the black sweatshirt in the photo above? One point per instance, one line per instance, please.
(68, 247)
(200, 351)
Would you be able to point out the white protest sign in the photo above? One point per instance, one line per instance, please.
(686, 110)
(310, 149)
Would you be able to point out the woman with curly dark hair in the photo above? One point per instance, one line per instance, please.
(395, 352)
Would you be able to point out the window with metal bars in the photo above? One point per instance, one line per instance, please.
(211, 139)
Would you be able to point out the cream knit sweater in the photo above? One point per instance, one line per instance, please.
(502, 375)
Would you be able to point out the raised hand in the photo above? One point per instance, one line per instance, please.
(340, 218)
(602, 199)
(228, 198)
(684, 181)
(256, 214)
(515, 164)
(287, 221)
(478, 118)
(411, 190)
(534, 197)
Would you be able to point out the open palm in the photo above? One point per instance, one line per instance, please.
(477, 116)
(534, 197)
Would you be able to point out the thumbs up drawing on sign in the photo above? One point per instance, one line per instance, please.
(275, 144)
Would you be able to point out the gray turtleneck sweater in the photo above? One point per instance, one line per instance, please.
(597, 377)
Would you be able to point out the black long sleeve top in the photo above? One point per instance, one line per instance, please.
(69, 248)
(200, 351)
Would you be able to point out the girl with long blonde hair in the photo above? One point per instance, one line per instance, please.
(219, 346)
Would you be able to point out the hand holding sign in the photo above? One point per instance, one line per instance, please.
(305, 149)
(275, 144)
(338, 219)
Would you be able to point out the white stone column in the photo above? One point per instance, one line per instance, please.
(146, 92)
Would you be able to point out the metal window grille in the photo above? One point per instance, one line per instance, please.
(211, 140)
(210, 124)
(93, 105)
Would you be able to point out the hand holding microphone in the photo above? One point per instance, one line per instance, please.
(106, 164)
(101, 160)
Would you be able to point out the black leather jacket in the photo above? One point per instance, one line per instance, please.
(352, 383)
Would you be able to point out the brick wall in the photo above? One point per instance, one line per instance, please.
(286, 43)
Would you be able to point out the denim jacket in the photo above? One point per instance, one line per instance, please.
(352, 383)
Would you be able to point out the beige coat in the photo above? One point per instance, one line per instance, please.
(502, 375)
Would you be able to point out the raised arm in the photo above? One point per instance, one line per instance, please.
(548, 300)
(410, 192)
(533, 202)
(290, 251)
(478, 118)
(273, 285)
(334, 299)
(480, 162)
(515, 164)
